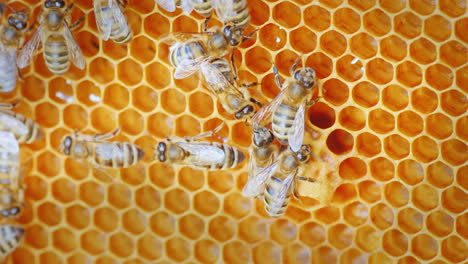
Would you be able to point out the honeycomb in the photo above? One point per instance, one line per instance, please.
(392, 125)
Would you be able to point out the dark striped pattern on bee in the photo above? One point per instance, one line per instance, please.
(283, 120)
(203, 7)
(120, 31)
(7, 72)
(241, 17)
(56, 55)
(15, 123)
(186, 51)
(10, 238)
(232, 157)
(224, 67)
(273, 205)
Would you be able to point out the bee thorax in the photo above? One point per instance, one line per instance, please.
(175, 153)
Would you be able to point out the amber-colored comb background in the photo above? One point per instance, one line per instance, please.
(392, 127)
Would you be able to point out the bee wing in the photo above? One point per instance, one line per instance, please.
(297, 138)
(168, 5)
(188, 67)
(265, 112)
(74, 50)
(286, 185)
(8, 142)
(224, 9)
(256, 182)
(173, 37)
(10, 121)
(214, 77)
(186, 6)
(104, 24)
(28, 50)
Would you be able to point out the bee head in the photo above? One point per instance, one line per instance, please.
(161, 151)
(54, 3)
(244, 112)
(262, 137)
(66, 145)
(18, 20)
(13, 211)
(233, 35)
(305, 77)
(304, 153)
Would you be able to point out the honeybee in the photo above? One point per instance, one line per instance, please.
(11, 37)
(202, 7)
(111, 21)
(201, 155)
(11, 190)
(100, 153)
(233, 11)
(10, 238)
(288, 107)
(262, 154)
(280, 179)
(59, 45)
(24, 129)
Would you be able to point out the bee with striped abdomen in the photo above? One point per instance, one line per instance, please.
(263, 153)
(24, 129)
(287, 109)
(280, 179)
(11, 38)
(111, 21)
(199, 154)
(59, 45)
(100, 153)
(233, 11)
(10, 238)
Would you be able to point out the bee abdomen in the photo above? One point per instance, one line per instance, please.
(274, 206)
(123, 155)
(10, 237)
(187, 51)
(34, 132)
(203, 7)
(232, 157)
(242, 17)
(121, 33)
(283, 120)
(7, 74)
(56, 54)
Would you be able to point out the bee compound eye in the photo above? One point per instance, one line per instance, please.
(5, 213)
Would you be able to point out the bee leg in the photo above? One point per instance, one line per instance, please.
(69, 7)
(122, 3)
(205, 24)
(101, 137)
(256, 102)
(277, 77)
(313, 101)
(77, 23)
(205, 134)
(301, 178)
(296, 63)
(233, 66)
(249, 36)
(8, 106)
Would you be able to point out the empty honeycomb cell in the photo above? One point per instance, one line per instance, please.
(143, 49)
(381, 121)
(392, 6)
(106, 219)
(366, 94)
(155, 25)
(333, 43)
(160, 125)
(327, 214)
(340, 142)
(381, 216)
(439, 174)
(325, 254)
(149, 247)
(88, 93)
(235, 252)
(349, 68)
(64, 190)
(454, 249)
(92, 193)
(410, 123)
(439, 126)
(237, 205)
(410, 171)
(49, 213)
(424, 246)
(253, 229)
(144, 98)
(296, 214)
(222, 228)
(220, 182)
(409, 74)
(114, 50)
(105, 260)
(363, 45)
(425, 197)
(78, 258)
(312, 234)
(367, 238)
(454, 103)
(48, 164)
(241, 134)
(379, 71)
(77, 216)
(410, 220)
(162, 223)
(379, 258)
(89, 43)
(100, 70)
(463, 181)
(36, 236)
(425, 149)
(284, 61)
(207, 251)
(37, 188)
(184, 24)
(407, 24)
(393, 48)
(302, 40)
(157, 75)
(49, 257)
(460, 27)
(352, 168)
(355, 213)
(93, 241)
(352, 118)
(396, 194)
(344, 193)
(206, 203)
(134, 221)
(296, 254)
(347, 20)
(129, 72)
(47, 115)
(283, 231)
(340, 236)
(462, 221)
(60, 91)
(33, 88)
(437, 28)
(131, 122)
(455, 200)
(40, 67)
(178, 249)
(173, 101)
(335, 91)
(103, 119)
(439, 223)
(317, 17)
(148, 198)
(424, 100)
(439, 76)
(77, 117)
(453, 8)
(191, 179)
(259, 12)
(321, 115)
(395, 242)
(352, 255)
(266, 250)
(201, 104)
(377, 22)
(162, 175)
(461, 128)
(272, 36)
(362, 5)
(423, 51)
(64, 240)
(382, 169)
(177, 201)
(187, 126)
(119, 195)
(369, 191)
(423, 7)
(191, 226)
(121, 245)
(258, 60)
(454, 53)
(321, 63)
